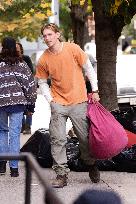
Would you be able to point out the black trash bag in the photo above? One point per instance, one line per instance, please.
(78, 165)
(39, 145)
(133, 123)
(123, 162)
(126, 160)
(127, 118)
(73, 156)
(106, 165)
(72, 149)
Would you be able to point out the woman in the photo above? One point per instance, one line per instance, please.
(17, 89)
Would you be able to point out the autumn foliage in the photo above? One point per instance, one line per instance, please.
(23, 18)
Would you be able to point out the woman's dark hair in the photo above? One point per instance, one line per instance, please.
(9, 53)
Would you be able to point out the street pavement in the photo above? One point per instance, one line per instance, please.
(12, 189)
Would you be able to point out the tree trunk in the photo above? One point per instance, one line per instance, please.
(106, 69)
(79, 24)
(106, 52)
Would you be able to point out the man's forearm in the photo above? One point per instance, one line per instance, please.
(91, 74)
(44, 87)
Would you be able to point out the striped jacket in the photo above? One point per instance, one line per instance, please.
(17, 85)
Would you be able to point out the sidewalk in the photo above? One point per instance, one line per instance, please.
(12, 189)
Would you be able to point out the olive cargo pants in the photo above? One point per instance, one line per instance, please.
(57, 127)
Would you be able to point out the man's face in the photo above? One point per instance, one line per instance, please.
(50, 37)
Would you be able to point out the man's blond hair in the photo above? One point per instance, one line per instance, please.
(51, 26)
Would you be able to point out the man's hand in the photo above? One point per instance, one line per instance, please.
(95, 97)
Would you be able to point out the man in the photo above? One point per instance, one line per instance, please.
(63, 63)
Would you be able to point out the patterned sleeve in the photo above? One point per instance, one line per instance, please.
(27, 82)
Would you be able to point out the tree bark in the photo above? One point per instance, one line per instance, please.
(79, 24)
(106, 52)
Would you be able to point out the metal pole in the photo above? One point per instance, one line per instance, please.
(55, 10)
(28, 183)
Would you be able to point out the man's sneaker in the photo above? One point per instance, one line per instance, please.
(94, 174)
(60, 181)
(14, 172)
(2, 167)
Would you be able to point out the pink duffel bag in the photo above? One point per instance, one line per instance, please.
(107, 137)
